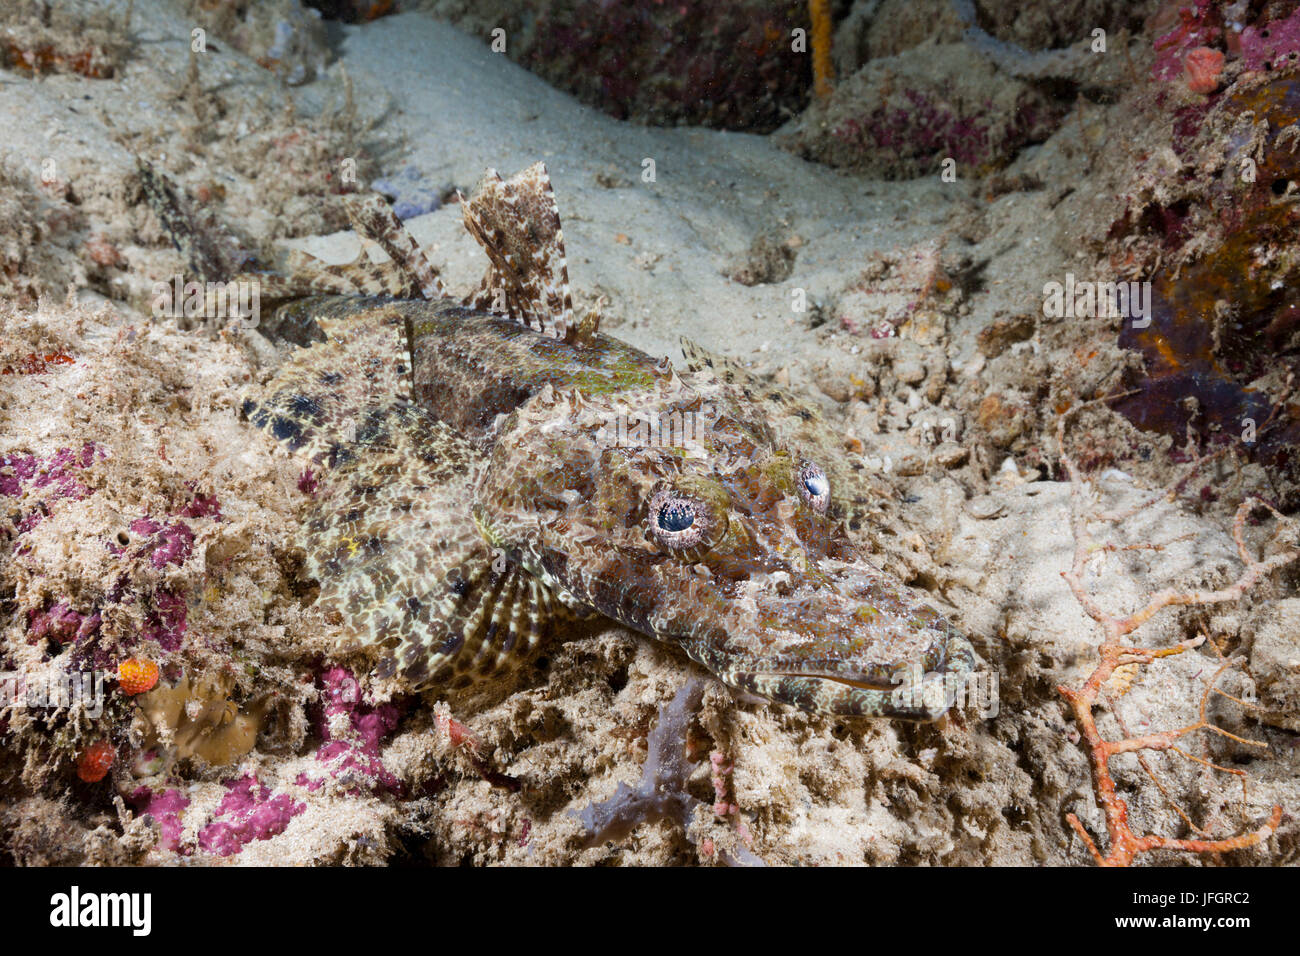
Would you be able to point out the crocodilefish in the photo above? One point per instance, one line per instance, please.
(492, 467)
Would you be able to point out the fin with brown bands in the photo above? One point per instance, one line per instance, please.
(517, 222)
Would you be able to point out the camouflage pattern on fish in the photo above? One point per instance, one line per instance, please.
(493, 467)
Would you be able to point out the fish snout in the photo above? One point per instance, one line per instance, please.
(851, 641)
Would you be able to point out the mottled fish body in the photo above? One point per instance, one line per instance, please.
(491, 467)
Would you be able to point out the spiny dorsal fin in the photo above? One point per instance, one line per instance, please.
(517, 223)
(406, 275)
(374, 219)
(724, 369)
(588, 326)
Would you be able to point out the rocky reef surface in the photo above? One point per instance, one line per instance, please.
(932, 246)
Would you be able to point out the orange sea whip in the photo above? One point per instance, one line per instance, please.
(819, 11)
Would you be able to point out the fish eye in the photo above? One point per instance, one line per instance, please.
(814, 487)
(676, 516)
(678, 521)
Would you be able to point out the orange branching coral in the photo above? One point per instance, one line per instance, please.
(819, 12)
(1115, 655)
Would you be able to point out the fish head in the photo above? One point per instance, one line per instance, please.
(682, 517)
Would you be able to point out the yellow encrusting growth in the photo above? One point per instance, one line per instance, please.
(819, 12)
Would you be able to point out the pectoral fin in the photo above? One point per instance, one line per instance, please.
(403, 568)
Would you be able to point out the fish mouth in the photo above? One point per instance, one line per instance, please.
(920, 696)
(863, 644)
(919, 686)
(862, 683)
(841, 638)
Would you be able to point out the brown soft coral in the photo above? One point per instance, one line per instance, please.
(196, 718)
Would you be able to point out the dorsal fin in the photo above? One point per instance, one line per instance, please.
(375, 220)
(517, 223)
(407, 274)
(724, 369)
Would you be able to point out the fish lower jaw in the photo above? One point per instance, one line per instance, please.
(863, 683)
(838, 695)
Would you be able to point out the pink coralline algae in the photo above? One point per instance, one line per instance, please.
(351, 731)
(1273, 45)
(56, 476)
(60, 623)
(1199, 25)
(246, 813)
(169, 544)
(166, 808)
(165, 621)
(165, 611)
(202, 506)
